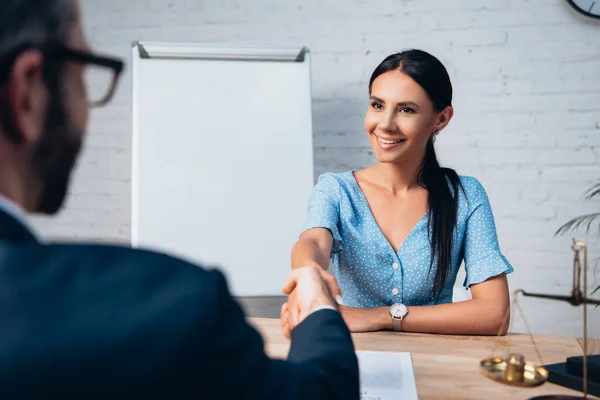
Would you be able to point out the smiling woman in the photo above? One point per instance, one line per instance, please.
(398, 231)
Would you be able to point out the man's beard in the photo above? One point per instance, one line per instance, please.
(55, 155)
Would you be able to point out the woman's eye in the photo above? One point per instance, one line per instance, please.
(407, 110)
(376, 106)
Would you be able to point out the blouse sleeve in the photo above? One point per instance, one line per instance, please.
(324, 209)
(483, 258)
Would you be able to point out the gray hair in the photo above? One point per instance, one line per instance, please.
(33, 23)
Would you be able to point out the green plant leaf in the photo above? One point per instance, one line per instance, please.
(593, 192)
(577, 223)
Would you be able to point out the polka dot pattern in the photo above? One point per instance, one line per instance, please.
(371, 274)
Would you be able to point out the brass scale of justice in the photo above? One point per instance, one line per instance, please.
(513, 369)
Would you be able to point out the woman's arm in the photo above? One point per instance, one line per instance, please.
(482, 315)
(313, 249)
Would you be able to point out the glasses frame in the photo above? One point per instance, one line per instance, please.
(79, 56)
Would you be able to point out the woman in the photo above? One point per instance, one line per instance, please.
(398, 231)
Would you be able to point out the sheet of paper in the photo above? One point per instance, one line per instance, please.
(386, 376)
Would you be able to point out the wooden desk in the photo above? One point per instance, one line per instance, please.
(447, 367)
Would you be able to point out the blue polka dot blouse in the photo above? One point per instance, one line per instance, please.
(371, 274)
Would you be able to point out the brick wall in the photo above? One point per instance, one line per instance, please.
(526, 76)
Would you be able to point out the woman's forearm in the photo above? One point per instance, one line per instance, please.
(307, 253)
(470, 317)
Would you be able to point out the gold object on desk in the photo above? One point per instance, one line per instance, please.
(513, 369)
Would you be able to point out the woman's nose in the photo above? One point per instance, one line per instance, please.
(388, 123)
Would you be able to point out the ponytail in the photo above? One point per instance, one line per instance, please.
(442, 185)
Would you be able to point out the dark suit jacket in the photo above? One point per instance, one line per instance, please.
(94, 321)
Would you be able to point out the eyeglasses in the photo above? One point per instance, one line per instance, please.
(101, 74)
(100, 77)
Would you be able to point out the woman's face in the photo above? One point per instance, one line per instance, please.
(401, 118)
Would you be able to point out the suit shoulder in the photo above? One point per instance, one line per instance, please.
(129, 264)
(116, 253)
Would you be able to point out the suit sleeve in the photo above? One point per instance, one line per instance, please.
(322, 363)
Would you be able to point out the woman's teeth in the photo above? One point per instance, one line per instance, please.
(389, 141)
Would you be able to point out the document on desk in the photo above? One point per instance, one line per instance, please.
(386, 376)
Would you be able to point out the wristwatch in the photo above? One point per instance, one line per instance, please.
(398, 311)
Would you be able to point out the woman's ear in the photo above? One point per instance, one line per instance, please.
(444, 118)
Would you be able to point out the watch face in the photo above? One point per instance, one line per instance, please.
(398, 310)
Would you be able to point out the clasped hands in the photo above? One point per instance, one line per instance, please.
(311, 288)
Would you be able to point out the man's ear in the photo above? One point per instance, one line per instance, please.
(26, 97)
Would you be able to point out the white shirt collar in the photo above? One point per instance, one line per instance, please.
(15, 211)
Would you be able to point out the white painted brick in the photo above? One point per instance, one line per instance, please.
(398, 42)
(517, 69)
(533, 193)
(549, 260)
(564, 191)
(566, 122)
(508, 173)
(518, 123)
(549, 14)
(434, 6)
(577, 84)
(521, 5)
(541, 139)
(483, 87)
(566, 210)
(581, 69)
(533, 34)
(518, 86)
(491, 141)
(567, 156)
(454, 137)
(579, 138)
(556, 86)
(484, 19)
(572, 51)
(570, 173)
(531, 211)
(509, 156)
(515, 242)
(525, 227)
(476, 37)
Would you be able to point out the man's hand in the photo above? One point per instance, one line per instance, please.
(308, 288)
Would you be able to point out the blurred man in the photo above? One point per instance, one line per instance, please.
(90, 321)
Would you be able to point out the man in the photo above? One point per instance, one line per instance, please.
(90, 321)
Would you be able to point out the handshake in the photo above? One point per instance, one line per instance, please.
(309, 289)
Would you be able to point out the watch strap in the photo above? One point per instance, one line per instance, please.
(397, 324)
